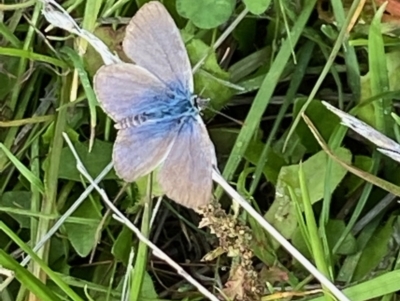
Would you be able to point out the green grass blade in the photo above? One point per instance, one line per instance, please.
(19, 109)
(52, 275)
(51, 172)
(23, 169)
(141, 256)
(32, 283)
(317, 250)
(9, 7)
(379, 85)
(9, 36)
(353, 68)
(27, 54)
(371, 289)
(303, 61)
(327, 67)
(264, 94)
(91, 96)
(379, 74)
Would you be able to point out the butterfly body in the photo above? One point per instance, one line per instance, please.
(155, 111)
(175, 106)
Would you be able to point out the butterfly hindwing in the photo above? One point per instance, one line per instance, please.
(153, 41)
(139, 150)
(186, 174)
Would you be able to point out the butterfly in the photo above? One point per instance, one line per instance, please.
(155, 111)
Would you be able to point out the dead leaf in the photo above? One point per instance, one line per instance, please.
(234, 288)
(273, 275)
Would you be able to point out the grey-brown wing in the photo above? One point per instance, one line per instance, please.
(139, 150)
(186, 174)
(153, 41)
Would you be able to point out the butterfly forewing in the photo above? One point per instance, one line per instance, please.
(153, 41)
(186, 174)
(139, 150)
(125, 90)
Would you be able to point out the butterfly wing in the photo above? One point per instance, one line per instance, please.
(153, 41)
(139, 150)
(126, 90)
(186, 174)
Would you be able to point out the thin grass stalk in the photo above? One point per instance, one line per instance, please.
(142, 251)
(51, 174)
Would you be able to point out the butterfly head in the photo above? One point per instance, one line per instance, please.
(200, 103)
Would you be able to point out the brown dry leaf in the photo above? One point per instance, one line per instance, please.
(113, 39)
(210, 256)
(324, 13)
(234, 288)
(393, 7)
(273, 275)
(392, 11)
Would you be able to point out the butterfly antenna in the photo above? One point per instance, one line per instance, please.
(227, 54)
(203, 104)
(237, 121)
(202, 91)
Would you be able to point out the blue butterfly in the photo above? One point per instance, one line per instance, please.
(155, 111)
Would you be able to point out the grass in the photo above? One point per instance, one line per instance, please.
(323, 187)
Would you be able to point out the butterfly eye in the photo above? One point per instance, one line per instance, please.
(201, 103)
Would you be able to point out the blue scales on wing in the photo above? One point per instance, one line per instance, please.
(147, 113)
(126, 90)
